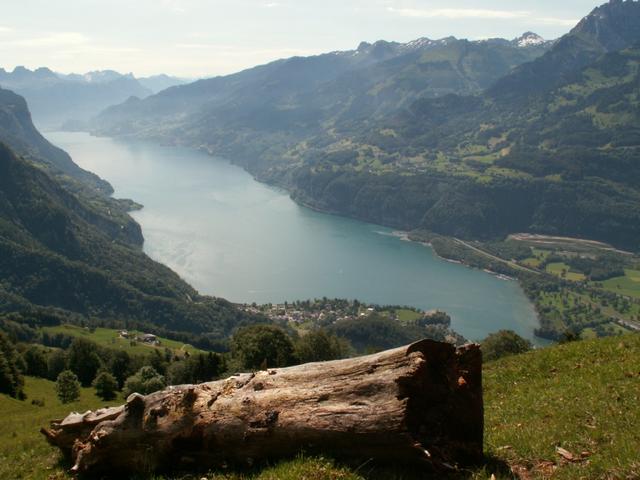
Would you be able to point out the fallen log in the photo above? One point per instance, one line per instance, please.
(419, 403)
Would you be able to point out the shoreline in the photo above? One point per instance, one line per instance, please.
(405, 237)
(395, 231)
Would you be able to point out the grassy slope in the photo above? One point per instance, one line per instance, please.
(108, 337)
(23, 452)
(582, 396)
(628, 285)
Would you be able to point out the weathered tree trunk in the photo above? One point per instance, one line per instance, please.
(420, 403)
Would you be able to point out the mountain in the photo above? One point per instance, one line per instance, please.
(157, 83)
(69, 250)
(17, 131)
(610, 27)
(55, 253)
(546, 150)
(462, 138)
(302, 94)
(529, 39)
(57, 100)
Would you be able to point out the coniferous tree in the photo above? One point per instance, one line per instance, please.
(11, 380)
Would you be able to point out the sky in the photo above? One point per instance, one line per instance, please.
(202, 38)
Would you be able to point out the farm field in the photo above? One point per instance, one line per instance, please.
(628, 285)
(110, 338)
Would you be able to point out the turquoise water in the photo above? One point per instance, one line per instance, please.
(233, 237)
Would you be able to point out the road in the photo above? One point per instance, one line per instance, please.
(493, 257)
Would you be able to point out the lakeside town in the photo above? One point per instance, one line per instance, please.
(325, 313)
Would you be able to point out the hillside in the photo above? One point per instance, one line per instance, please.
(56, 252)
(555, 161)
(549, 147)
(18, 132)
(588, 409)
(295, 96)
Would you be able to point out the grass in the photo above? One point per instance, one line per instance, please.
(582, 397)
(24, 454)
(628, 285)
(110, 338)
(531, 262)
(407, 316)
(563, 270)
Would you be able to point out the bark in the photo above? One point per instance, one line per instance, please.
(419, 403)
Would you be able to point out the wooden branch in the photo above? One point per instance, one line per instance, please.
(419, 403)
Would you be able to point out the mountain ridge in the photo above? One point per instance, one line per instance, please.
(69, 100)
(286, 88)
(474, 163)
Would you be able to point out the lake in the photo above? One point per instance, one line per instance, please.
(236, 238)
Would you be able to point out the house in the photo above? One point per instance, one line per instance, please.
(148, 338)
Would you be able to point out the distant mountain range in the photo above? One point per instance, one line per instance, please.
(311, 93)
(58, 100)
(474, 139)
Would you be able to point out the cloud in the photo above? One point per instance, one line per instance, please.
(563, 22)
(455, 13)
(59, 39)
(458, 13)
(233, 50)
(175, 6)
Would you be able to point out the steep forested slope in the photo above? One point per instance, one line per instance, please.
(17, 130)
(54, 252)
(65, 245)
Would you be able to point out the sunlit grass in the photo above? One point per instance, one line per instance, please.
(110, 338)
(628, 285)
(582, 397)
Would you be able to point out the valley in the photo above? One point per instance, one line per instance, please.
(233, 237)
(394, 260)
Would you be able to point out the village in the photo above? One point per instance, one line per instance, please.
(325, 312)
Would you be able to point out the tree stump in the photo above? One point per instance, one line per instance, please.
(418, 403)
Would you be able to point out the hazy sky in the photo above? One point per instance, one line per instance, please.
(195, 38)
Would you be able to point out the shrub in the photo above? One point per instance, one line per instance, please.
(504, 343)
(262, 346)
(83, 360)
(320, 346)
(106, 386)
(68, 387)
(145, 381)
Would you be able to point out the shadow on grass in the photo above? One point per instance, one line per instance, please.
(367, 470)
(491, 465)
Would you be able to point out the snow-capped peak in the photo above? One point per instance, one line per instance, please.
(419, 43)
(529, 39)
